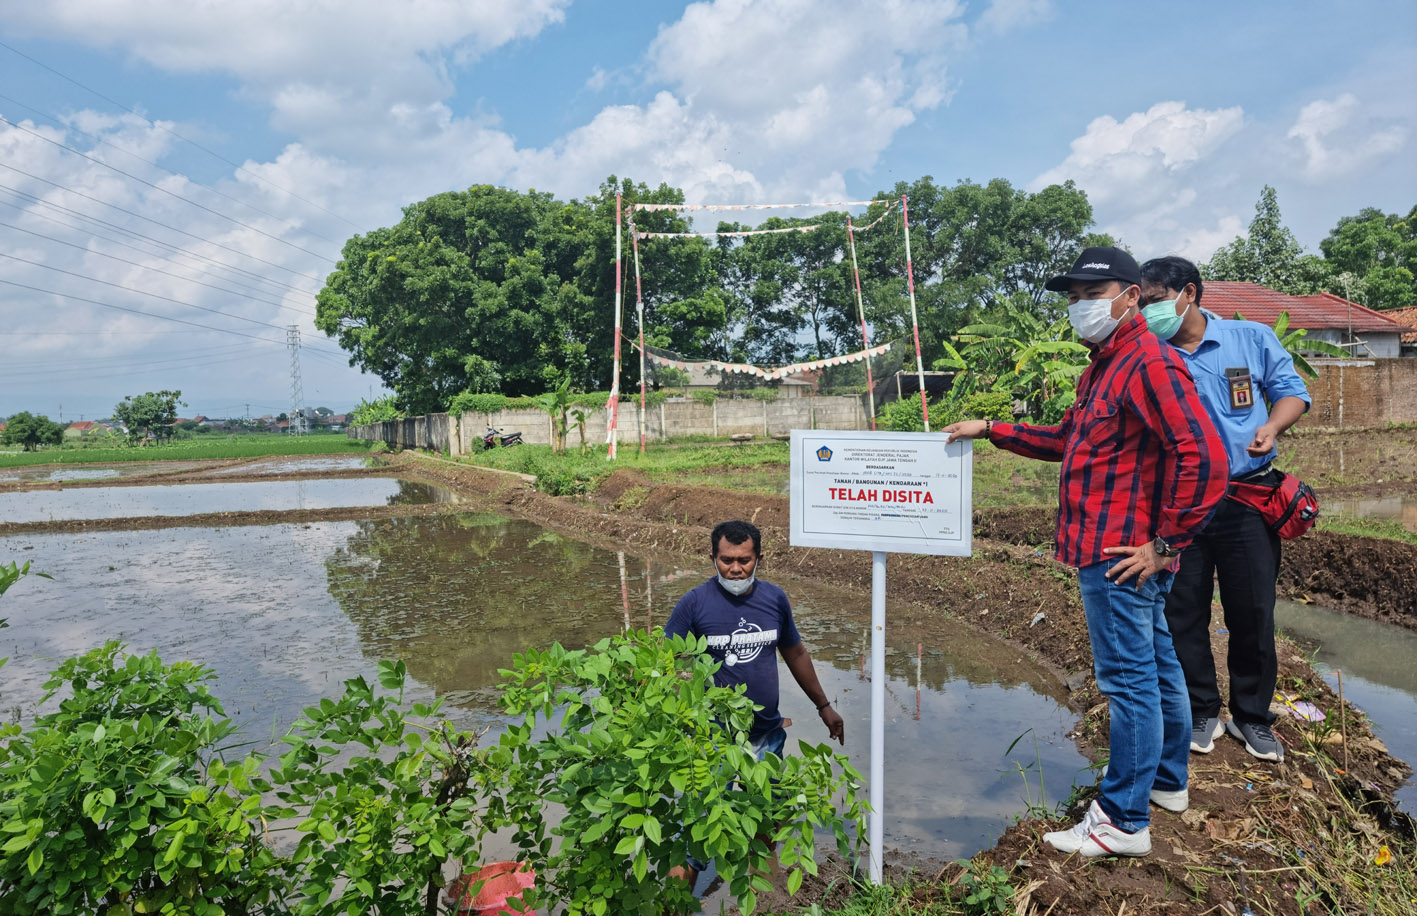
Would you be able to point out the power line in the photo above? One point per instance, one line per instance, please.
(148, 219)
(100, 141)
(132, 289)
(174, 133)
(64, 373)
(176, 249)
(174, 194)
(86, 250)
(81, 375)
(121, 308)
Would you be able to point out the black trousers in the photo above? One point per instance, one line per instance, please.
(1240, 549)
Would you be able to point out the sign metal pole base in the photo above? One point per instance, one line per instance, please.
(876, 830)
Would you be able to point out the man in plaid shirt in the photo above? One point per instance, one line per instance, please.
(1143, 469)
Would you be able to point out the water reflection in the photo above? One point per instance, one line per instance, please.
(285, 613)
(1399, 508)
(1378, 675)
(194, 498)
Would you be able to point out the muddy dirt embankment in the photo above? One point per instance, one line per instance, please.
(1365, 576)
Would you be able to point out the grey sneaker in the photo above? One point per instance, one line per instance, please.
(1258, 739)
(1204, 731)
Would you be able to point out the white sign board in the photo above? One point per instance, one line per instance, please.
(881, 491)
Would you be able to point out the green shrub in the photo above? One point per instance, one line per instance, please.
(650, 762)
(763, 394)
(122, 802)
(475, 402)
(116, 804)
(704, 396)
(903, 415)
(379, 410)
(976, 405)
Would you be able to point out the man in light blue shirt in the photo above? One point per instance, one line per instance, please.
(1247, 382)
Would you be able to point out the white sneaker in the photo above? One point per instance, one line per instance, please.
(1177, 801)
(1070, 840)
(1107, 839)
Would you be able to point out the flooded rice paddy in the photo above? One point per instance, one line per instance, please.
(195, 498)
(1394, 507)
(285, 613)
(1378, 674)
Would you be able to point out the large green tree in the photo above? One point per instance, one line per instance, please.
(491, 289)
(977, 250)
(1378, 251)
(30, 431)
(149, 415)
(1270, 255)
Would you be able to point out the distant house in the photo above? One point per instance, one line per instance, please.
(1359, 330)
(1407, 318)
(79, 429)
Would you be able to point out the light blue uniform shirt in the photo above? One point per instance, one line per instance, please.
(1229, 344)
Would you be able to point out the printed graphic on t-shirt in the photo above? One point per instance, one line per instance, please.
(744, 644)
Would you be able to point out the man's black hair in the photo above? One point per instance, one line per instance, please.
(1172, 272)
(736, 532)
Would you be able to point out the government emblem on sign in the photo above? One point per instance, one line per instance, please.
(824, 454)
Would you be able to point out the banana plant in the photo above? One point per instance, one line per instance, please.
(1298, 344)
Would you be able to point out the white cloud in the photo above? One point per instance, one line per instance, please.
(1334, 145)
(1150, 177)
(339, 74)
(764, 99)
(1005, 15)
(1139, 156)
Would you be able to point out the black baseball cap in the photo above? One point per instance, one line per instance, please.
(1100, 263)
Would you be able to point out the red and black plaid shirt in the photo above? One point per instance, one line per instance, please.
(1141, 458)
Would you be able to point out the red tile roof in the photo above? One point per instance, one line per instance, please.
(1324, 310)
(1408, 317)
(82, 426)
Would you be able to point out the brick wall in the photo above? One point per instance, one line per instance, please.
(1355, 393)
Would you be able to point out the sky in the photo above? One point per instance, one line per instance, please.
(205, 161)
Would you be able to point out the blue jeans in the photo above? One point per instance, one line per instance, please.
(1137, 670)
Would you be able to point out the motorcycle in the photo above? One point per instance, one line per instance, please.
(493, 437)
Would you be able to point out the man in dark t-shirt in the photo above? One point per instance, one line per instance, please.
(748, 622)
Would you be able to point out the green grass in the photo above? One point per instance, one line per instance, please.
(574, 471)
(1385, 528)
(206, 448)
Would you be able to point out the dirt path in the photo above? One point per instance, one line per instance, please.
(1312, 825)
(230, 519)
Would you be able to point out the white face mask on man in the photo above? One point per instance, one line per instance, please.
(1092, 318)
(736, 587)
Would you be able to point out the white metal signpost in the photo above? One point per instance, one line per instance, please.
(887, 493)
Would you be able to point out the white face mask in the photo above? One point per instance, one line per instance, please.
(736, 587)
(1092, 318)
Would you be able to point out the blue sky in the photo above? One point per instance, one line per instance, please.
(1171, 117)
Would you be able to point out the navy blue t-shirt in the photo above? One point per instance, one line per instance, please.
(744, 635)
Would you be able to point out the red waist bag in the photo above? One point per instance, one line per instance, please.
(1289, 507)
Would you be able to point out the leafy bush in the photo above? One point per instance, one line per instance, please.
(651, 764)
(121, 802)
(379, 410)
(763, 394)
(383, 799)
(903, 415)
(974, 405)
(475, 402)
(704, 396)
(116, 804)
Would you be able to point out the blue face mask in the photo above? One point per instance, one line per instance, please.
(1161, 317)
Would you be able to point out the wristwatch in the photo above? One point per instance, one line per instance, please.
(1164, 549)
